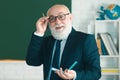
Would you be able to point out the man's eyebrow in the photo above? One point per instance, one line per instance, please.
(62, 13)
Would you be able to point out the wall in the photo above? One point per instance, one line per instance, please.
(19, 70)
(85, 12)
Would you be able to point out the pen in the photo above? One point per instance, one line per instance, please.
(73, 65)
(43, 15)
(54, 69)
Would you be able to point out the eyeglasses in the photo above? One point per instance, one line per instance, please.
(60, 17)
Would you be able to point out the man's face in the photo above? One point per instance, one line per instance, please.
(60, 21)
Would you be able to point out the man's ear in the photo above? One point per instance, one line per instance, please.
(70, 16)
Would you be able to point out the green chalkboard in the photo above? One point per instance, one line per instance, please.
(17, 23)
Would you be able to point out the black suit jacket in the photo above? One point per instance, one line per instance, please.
(79, 47)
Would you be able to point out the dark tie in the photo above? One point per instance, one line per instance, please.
(56, 58)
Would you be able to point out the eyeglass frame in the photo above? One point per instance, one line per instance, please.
(55, 17)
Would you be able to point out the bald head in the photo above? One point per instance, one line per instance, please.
(55, 9)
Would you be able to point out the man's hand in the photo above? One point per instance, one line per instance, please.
(66, 74)
(41, 25)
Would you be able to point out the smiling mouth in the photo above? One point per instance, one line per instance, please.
(60, 27)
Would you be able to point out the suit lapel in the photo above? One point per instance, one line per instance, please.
(68, 50)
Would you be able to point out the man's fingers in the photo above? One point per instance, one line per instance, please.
(66, 70)
(63, 74)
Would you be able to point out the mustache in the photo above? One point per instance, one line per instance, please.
(59, 25)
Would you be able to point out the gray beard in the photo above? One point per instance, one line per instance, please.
(61, 35)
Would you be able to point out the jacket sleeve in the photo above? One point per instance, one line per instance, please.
(91, 58)
(34, 57)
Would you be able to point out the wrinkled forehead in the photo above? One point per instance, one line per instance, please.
(57, 9)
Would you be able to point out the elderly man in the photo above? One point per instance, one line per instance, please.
(66, 54)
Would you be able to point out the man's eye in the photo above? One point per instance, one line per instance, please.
(61, 16)
(51, 18)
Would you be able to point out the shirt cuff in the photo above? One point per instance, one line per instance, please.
(75, 76)
(40, 35)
